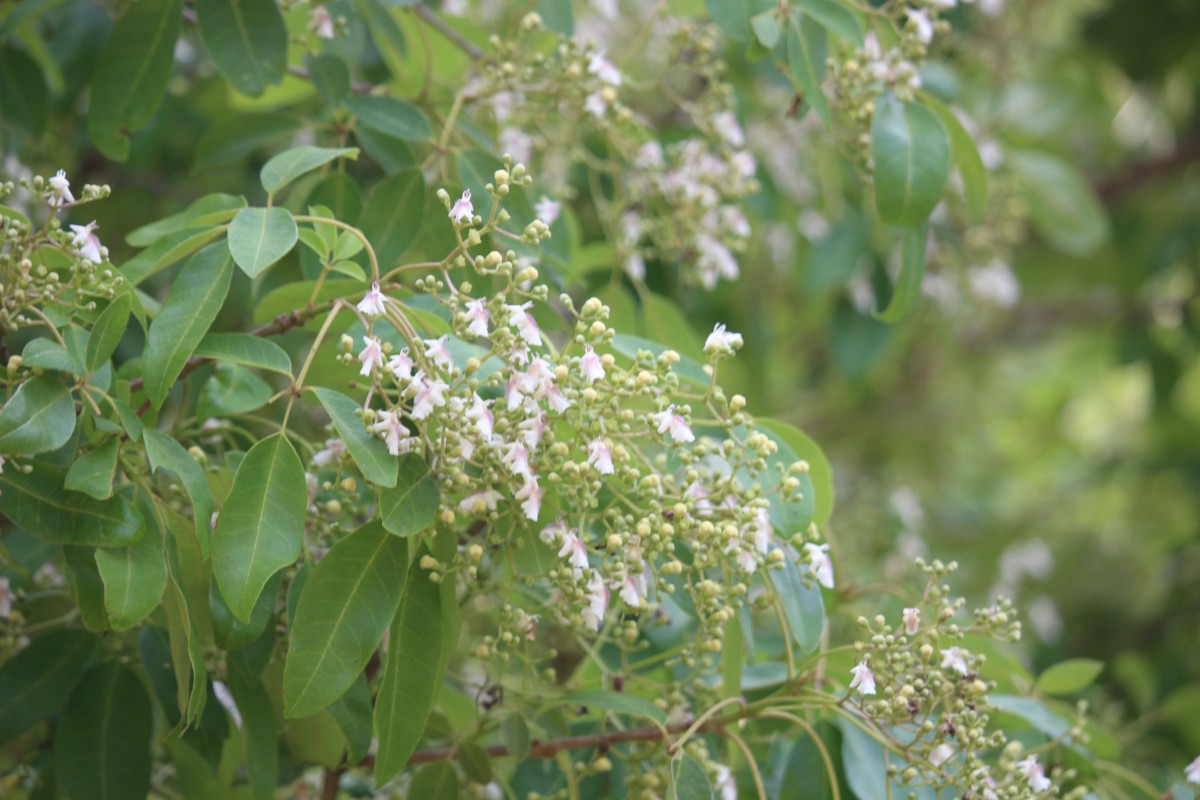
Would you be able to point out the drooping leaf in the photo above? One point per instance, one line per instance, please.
(246, 40)
(907, 290)
(291, 164)
(38, 418)
(234, 138)
(836, 17)
(87, 590)
(803, 607)
(409, 507)
(259, 734)
(806, 53)
(212, 209)
(1063, 206)
(331, 76)
(391, 116)
(247, 350)
(35, 681)
(93, 473)
(966, 156)
(258, 237)
(23, 87)
(344, 611)
(166, 252)
(38, 503)
(102, 742)
(1070, 676)
(369, 453)
(106, 333)
(164, 452)
(261, 525)
(688, 780)
(134, 579)
(392, 215)
(132, 73)
(197, 294)
(229, 631)
(436, 782)
(912, 160)
(352, 712)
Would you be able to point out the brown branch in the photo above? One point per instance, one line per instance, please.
(1133, 177)
(329, 787)
(439, 25)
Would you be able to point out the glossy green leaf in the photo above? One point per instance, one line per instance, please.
(352, 712)
(132, 73)
(39, 417)
(49, 354)
(1070, 676)
(23, 87)
(166, 252)
(246, 40)
(907, 289)
(196, 296)
(291, 164)
(331, 76)
(93, 473)
(475, 762)
(409, 508)
(835, 16)
(966, 156)
(733, 16)
(1062, 204)
(819, 475)
(39, 504)
(390, 116)
(803, 607)
(166, 453)
(232, 389)
(688, 370)
(35, 681)
(1033, 711)
(806, 54)
(766, 28)
(618, 703)
(368, 451)
(87, 589)
(411, 676)
(261, 526)
(247, 350)
(392, 215)
(259, 735)
(865, 765)
(688, 780)
(344, 611)
(102, 742)
(435, 782)
(229, 631)
(107, 332)
(237, 137)
(258, 237)
(912, 160)
(212, 209)
(134, 579)
(391, 152)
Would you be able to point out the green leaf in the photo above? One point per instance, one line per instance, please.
(907, 289)
(352, 713)
(344, 611)
(1062, 204)
(260, 735)
(390, 152)
(93, 473)
(34, 682)
(294, 295)
(331, 76)
(132, 73)
(806, 54)
(435, 782)
(476, 764)
(966, 156)
(212, 209)
(687, 369)
(766, 28)
(246, 40)
(247, 350)
(167, 251)
(664, 322)
(411, 675)
(391, 116)
(166, 453)
(392, 215)
(802, 447)
(410, 507)
(618, 703)
(49, 354)
(733, 16)
(232, 390)
(559, 17)
(1070, 676)
(258, 237)
(39, 417)
(102, 743)
(38, 503)
(1032, 711)
(369, 453)
(23, 87)
(107, 332)
(912, 160)
(385, 33)
(291, 164)
(230, 632)
(86, 587)
(836, 257)
(688, 780)
(196, 297)
(836, 17)
(802, 605)
(237, 137)
(261, 526)
(865, 765)
(134, 579)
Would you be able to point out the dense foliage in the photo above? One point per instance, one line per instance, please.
(410, 399)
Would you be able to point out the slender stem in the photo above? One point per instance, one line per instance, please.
(298, 387)
(438, 24)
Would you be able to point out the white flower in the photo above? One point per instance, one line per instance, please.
(60, 190)
(726, 785)
(533, 427)
(520, 353)
(86, 243)
(649, 155)
(920, 18)
(401, 365)
(462, 211)
(553, 533)
(912, 620)
(372, 303)
(674, 424)
(744, 164)
(527, 327)
(597, 602)
(633, 590)
(477, 313)
(514, 141)
(547, 209)
(537, 379)
(48, 575)
(600, 457)
(371, 355)
(481, 415)
(635, 266)
(864, 678)
(1, 463)
(1034, 774)
(726, 125)
(6, 599)
(995, 283)
(820, 563)
(590, 365)
(595, 105)
(530, 496)
(722, 341)
(940, 754)
(391, 425)
(714, 260)
(1192, 771)
(557, 400)
(333, 450)
(321, 22)
(605, 70)
(427, 395)
(439, 351)
(760, 529)
(743, 555)
(574, 550)
(480, 502)
(512, 393)
(516, 458)
(955, 658)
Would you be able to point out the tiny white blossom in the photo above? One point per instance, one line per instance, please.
(547, 209)
(595, 105)
(715, 261)
(820, 563)
(86, 243)
(527, 327)
(481, 415)
(600, 457)
(516, 459)
(912, 620)
(477, 314)
(674, 424)
(864, 678)
(727, 127)
(391, 425)
(372, 303)
(920, 18)
(722, 341)
(574, 550)
(462, 212)
(553, 533)
(760, 528)
(60, 190)
(726, 786)
(590, 365)
(1034, 774)
(480, 502)
(597, 602)
(533, 428)
(371, 356)
(530, 496)
(401, 365)
(333, 450)
(743, 555)
(1192, 771)
(6, 599)
(48, 575)
(940, 754)
(321, 22)
(605, 70)
(633, 590)
(557, 400)
(954, 658)
(438, 350)
(427, 395)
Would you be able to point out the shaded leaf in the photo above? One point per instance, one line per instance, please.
(164, 452)
(966, 156)
(212, 209)
(1070, 676)
(246, 40)
(370, 454)
(93, 473)
(912, 160)
(907, 289)
(1063, 206)
(230, 139)
(390, 116)
(39, 417)
(803, 607)
(409, 508)
(107, 332)
(38, 503)
(392, 215)
(35, 681)
(291, 164)
(134, 579)
(688, 780)
(247, 350)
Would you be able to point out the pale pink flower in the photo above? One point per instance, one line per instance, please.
(726, 125)
(633, 590)
(955, 658)
(547, 209)
(574, 550)
(401, 365)
(439, 351)
(373, 302)
(714, 260)
(391, 425)
(6, 599)
(321, 22)
(760, 529)
(477, 314)
(912, 620)
(595, 104)
(1192, 771)
(537, 379)
(920, 18)
(722, 341)
(527, 327)
(86, 243)
(48, 575)
(669, 422)
(512, 393)
(333, 451)
(516, 459)
(520, 354)
(725, 784)
(462, 212)
(480, 502)
(530, 496)
(1034, 773)
(864, 678)
(590, 365)
(557, 400)
(820, 563)
(371, 355)
(600, 457)
(597, 602)
(553, 533)
(427, 395)
(940, 754)
(533, 428)
(481, 415)
(605, 70)
(60, 190)
(743, 555)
